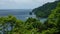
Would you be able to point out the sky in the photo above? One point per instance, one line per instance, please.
(22, 4)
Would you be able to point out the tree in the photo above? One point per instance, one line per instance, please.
(45, 10)
(54, 19)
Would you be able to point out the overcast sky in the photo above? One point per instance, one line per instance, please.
(22, 4)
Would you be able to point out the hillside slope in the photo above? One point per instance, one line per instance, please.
(45, 10)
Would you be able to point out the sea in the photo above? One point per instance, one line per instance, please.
(21, 14)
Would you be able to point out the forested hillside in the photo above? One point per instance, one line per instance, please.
(45, 10)
(11, 25)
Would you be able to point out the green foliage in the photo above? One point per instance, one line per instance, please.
(50, 31)
(18, 26)
(32, 25)
(54, 19)
(45, 10)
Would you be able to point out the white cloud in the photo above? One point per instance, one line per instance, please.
(22, 4)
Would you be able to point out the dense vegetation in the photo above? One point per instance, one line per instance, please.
(45, 10)
(11, 25)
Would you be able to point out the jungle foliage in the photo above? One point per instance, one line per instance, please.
(11, 25)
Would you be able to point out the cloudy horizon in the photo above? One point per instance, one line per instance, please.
(22, 4)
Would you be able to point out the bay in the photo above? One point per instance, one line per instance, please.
(21, 14)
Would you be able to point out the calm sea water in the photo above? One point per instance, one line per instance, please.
(19, 14)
